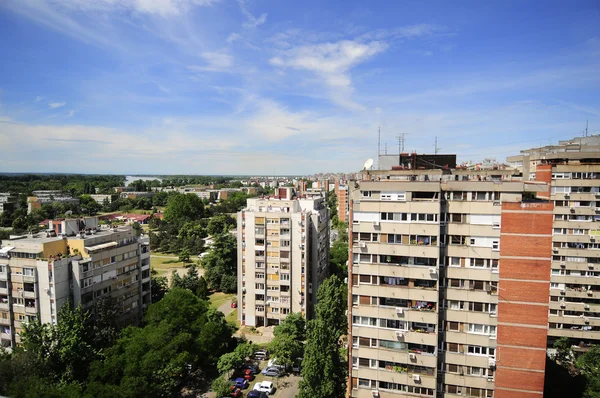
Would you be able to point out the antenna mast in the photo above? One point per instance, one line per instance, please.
(436, 149)
(379, 149)
(586, 128)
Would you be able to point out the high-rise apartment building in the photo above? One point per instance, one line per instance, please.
(448, 280)
(341, 191)
(572, 168)
(73, 261)
(283, 256)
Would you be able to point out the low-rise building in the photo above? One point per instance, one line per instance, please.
(75, 261)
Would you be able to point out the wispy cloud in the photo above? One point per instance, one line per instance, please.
(251, 20)
(71, 113)
(54, 105)
(215, 62)
(77, 141)
(233, 37)
(331, 62)
(157, 7)
(38, 98)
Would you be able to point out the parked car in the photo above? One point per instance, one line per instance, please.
(265, 386)
(297, 366)
(253, 368)
(247, 374)
(235, 392)
(241, 382)
(272, 362)
(234, 304)
(257, 394)
(261, 355)
(273, 371)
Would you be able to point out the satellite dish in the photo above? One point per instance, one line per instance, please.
(368, 164)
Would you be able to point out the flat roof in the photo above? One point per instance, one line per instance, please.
(101, 246)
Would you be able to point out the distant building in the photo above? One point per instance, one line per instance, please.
(8, 202)
(102, 199)
(283, 256)
(40, 198)
(75, 261)
(136, 195)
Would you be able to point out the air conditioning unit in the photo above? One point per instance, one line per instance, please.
(586, 320)
(555, 250)
(592, 239)
(563, 264)
(590, 265)
(432, 271)
(417, 378)
(589, 292)
(563, 304)
(567, 195)
(572, 209)
(412, 356)
(587, 306)
(491, 362)
(597, 194)
(376, 223)
(562, 291)
(363, 245)
(399, 311)
(399, 335)
(375, 393)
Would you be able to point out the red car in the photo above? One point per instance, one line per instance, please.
(248, 375)
(234, 304)
(235, 392)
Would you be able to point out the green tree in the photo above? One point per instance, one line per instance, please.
(221, 387)
(184, 207)
(589, 366)
(137, 228)
(202, 289)
(564, 355)
(220, 263)
(220, 223)
(159, 286)
(323, 367)
(184, 255)
(287, 344)
(338, 257)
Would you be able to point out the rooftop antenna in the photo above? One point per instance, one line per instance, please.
(379, 148)
(385, 150)
(436, 149)
(586, 128)
(401, 142)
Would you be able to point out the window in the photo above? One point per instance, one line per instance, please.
(366, 194)
(364, 383)
(285, 276)
(454, 261)
(454, 326)
(259, 275)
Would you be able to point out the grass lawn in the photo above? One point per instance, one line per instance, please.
(218, 298)
(233, 317)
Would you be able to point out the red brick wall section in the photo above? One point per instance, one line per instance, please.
(543, 173)
(522, 313)
(517, 379)
(519, 269)
(526, 246)
(522, 359)
(522, 336)
(523, 295)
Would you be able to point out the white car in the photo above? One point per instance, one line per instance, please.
(265, 386)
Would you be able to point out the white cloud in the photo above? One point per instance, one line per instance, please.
(251, 21)
(215, 62)
(233, 37)
(331, 62)
(71, 113)
(156, 7)
(38, 98)
(54, 105)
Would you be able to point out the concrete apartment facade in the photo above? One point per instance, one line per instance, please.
(283, 256)
(446, 268)
(572, 168)
(73, 261)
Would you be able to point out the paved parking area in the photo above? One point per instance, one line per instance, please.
(288, 387)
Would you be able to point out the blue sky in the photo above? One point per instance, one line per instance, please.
(263, 87)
